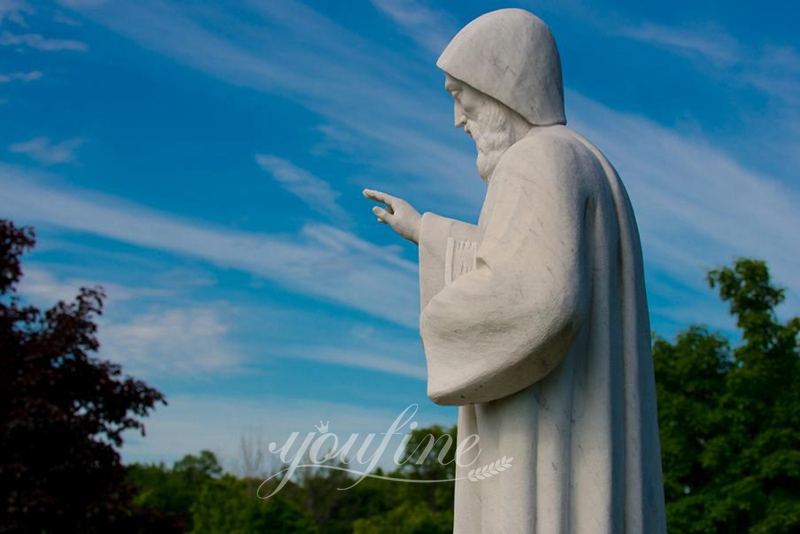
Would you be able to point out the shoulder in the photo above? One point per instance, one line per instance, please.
(550, 154)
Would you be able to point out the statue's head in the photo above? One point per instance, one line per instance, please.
(492, 125)
(511, 56)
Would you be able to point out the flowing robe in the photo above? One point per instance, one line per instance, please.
(535, 323)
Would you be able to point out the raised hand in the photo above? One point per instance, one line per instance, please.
(398, 214)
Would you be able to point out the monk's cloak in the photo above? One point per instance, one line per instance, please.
(535, 324)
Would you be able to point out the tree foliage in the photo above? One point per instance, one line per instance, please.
(173, 492)
(227, 506)
(430, 455)
(62, 412)
(209, 502)
(729, 415)
(408, 518)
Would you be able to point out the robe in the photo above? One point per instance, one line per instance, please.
(535, 323)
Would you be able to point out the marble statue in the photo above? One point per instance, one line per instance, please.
(535, 321)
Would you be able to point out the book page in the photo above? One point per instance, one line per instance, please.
(459, 259)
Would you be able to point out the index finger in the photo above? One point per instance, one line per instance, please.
(379, 196)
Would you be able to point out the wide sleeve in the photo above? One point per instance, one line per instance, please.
(435, 234)
(508, 322)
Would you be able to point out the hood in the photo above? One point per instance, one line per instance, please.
(511, 56)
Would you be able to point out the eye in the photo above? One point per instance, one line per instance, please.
(453, 89)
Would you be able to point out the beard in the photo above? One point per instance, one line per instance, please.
(493, 135)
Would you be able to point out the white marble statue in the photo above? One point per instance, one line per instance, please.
(535, 321)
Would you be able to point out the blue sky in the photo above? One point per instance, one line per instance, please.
(203, 161)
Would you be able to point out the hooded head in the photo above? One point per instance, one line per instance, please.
(511, 56)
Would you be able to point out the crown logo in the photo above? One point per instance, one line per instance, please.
(322, 428)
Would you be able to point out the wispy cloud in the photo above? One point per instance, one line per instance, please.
(194, 422)
(394, 110)
(696, 205)
(321, 261)
(429, 28)
(165, 341)
(40, 42)
(64, 19)
(195, 339)
(776, 71)
(709, 42)
(314, 192)
(770, 68)
(351, 344)
(363, 360)
(43, 288)
(41, 149)
(20, 76)
(81, 3)
(766, 134)
(391, 114)
(172, 341)
(15, 11)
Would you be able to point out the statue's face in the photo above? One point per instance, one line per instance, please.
(468, 102)
(485, 120)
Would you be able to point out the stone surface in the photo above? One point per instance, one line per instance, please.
(535, 320)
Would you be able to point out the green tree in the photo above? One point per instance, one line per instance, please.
(408, 518)
(320, 491)
(174, 491)
(430, 455)
(62, 413)
(415, 507)
(227, 506)
(729, 416)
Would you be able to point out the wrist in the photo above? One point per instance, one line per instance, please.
(415, 231)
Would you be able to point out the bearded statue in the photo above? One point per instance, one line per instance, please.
(534, 321)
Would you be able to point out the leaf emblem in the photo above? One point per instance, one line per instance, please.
(489, 470)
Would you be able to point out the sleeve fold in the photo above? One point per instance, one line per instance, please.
(508, 322)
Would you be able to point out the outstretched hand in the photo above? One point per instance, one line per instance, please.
(398, 214)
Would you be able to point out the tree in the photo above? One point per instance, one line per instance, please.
(729, 416)
(207, 501)
(226, 506)
(62, 413)
(408, 518)
(414, 507)
(173, 492)
(430, 455)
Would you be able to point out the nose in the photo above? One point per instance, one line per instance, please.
(460, 118)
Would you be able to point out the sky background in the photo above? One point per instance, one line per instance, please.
(204, 161)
